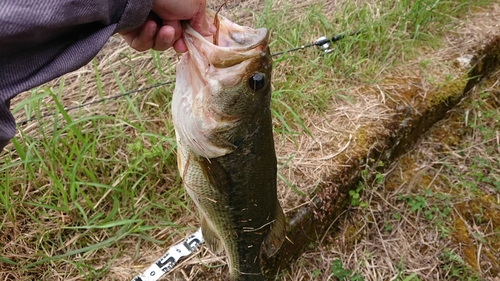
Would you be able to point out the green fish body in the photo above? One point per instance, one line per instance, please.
(226, 157)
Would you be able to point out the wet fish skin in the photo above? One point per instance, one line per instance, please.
(226, 155)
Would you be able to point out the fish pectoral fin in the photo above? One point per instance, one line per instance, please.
(211, 238)
(277, 233)
(218, 177)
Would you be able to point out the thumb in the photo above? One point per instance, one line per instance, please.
(201, 23)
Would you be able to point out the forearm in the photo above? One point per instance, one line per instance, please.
(27, 23)
(39, 32)
(43, 39)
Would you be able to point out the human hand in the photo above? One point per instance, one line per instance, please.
(166, 31)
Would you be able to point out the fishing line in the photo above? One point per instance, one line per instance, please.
(189, 245)
(166, 262)
(323, 43)
(70, 108)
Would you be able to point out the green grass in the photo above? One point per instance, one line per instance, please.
(455, 194)
(339, 272)
(91, 180)
(403, 26)
(82, 188)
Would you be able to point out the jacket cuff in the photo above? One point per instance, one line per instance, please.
(134, 15)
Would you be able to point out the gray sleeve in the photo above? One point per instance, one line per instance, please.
(44, 39)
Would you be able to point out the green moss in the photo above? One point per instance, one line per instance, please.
(461, 236)
(482, 213)
(408, 166)
(449, 90)
(363, 137)
(352, 234)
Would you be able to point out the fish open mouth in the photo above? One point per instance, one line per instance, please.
(213, 93)
(235, 43)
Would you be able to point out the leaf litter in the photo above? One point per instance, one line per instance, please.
(373, 242)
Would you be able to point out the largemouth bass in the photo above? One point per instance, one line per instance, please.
(226, 157)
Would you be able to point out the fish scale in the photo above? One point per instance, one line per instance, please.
(226, 156)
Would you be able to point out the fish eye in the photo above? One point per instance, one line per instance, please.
(257, 81)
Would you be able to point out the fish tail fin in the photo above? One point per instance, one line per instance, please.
(210, 236)
(276, 234)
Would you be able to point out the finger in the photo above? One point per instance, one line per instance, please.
(180, 46)
(201, 23)
(165, 38)
(142, 38)
(192, 10)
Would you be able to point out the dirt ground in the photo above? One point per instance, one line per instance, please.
(390, 236)
(377, 242)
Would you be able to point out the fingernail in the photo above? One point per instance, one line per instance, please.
(152, 31)
(167, 41)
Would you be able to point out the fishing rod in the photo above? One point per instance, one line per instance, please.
(191, 243)
(323, 43)
(172, 256)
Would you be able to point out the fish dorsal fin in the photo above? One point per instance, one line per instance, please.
(276, 234)
(211, 238)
